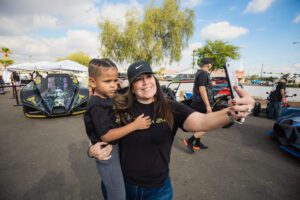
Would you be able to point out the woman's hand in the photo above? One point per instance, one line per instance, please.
(241, 107)
(100, 153)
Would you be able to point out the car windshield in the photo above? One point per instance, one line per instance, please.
(55, 83)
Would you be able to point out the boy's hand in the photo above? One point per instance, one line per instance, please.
(208, 109)
(284, 100)
(142, 122)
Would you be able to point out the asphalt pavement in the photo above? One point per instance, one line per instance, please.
(46, 159)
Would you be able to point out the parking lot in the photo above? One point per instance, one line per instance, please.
(46, 159)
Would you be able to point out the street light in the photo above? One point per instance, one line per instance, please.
(194, 51)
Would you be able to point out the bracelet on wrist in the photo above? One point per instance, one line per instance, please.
(230, 117)
(232, 120)
(88, 152)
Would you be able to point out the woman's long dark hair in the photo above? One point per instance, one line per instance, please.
(124, 103)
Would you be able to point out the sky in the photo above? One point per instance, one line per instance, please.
(267, 31)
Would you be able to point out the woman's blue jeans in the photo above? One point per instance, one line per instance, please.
(135, 192)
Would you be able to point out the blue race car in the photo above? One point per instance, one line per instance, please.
(287, 130)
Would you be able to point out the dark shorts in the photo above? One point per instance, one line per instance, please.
(200, 107)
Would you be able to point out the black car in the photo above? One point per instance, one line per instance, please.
(55, 95)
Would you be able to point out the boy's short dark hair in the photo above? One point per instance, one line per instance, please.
(205, 61)
(95, 63)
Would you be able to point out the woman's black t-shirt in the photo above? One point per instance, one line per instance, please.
(145, 154)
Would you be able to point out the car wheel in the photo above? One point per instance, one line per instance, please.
(256, 109)
(25, 110)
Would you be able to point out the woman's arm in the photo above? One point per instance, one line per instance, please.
(239, 108)
(95, 151)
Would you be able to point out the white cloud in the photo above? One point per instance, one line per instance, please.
(44, 21)
(222, 30)
(14, 25)
(257, 6)
(28, 15)
(18, 25)
(296, 66)
(297, 19)
(23, 19)
(18, 15)
(49, 49)
(186, 61)
(117, 12)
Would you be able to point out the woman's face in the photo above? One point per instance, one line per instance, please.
(144, 88)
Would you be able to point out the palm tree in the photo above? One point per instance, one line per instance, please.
(5, 52)
(5, 60)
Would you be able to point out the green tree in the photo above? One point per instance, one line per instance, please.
(160, 71)
(5, 54)
(163, 32)
(254, 77)
(220, 51)
(78, 57)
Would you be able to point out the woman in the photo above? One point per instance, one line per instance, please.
(145, 154)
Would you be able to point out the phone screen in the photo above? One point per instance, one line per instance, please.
(231, 79)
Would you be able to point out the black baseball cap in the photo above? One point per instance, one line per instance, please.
(206, 61)
(138, 68)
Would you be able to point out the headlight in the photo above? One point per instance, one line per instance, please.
(33, 100)
(81, 98)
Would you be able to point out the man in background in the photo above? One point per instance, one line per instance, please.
(277, 98)
(201, 102)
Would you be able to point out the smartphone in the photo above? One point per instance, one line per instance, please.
(232, 81)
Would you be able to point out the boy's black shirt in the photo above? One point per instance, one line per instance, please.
(145, 154)
(99, 118)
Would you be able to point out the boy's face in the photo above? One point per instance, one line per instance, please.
(105, 84)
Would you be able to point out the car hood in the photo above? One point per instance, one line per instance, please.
(57, 100)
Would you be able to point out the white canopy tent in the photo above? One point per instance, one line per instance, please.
(63, 66)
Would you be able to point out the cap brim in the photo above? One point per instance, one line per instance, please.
(138, 74)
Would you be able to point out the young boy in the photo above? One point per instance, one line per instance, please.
(100, 124)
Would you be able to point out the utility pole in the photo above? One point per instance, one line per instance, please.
(193, 70)
(262, 69)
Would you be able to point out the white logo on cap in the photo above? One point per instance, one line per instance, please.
(138, 66)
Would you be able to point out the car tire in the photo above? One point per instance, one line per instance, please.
(256, 109)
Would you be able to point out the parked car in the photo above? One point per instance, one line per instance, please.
(287, 130)
(123, 75)
(169, 78)
(219, 80)
(184, 78)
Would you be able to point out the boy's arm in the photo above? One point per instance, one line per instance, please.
(203, 79)
(139, 123)
(203, 93)
(117, 133)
